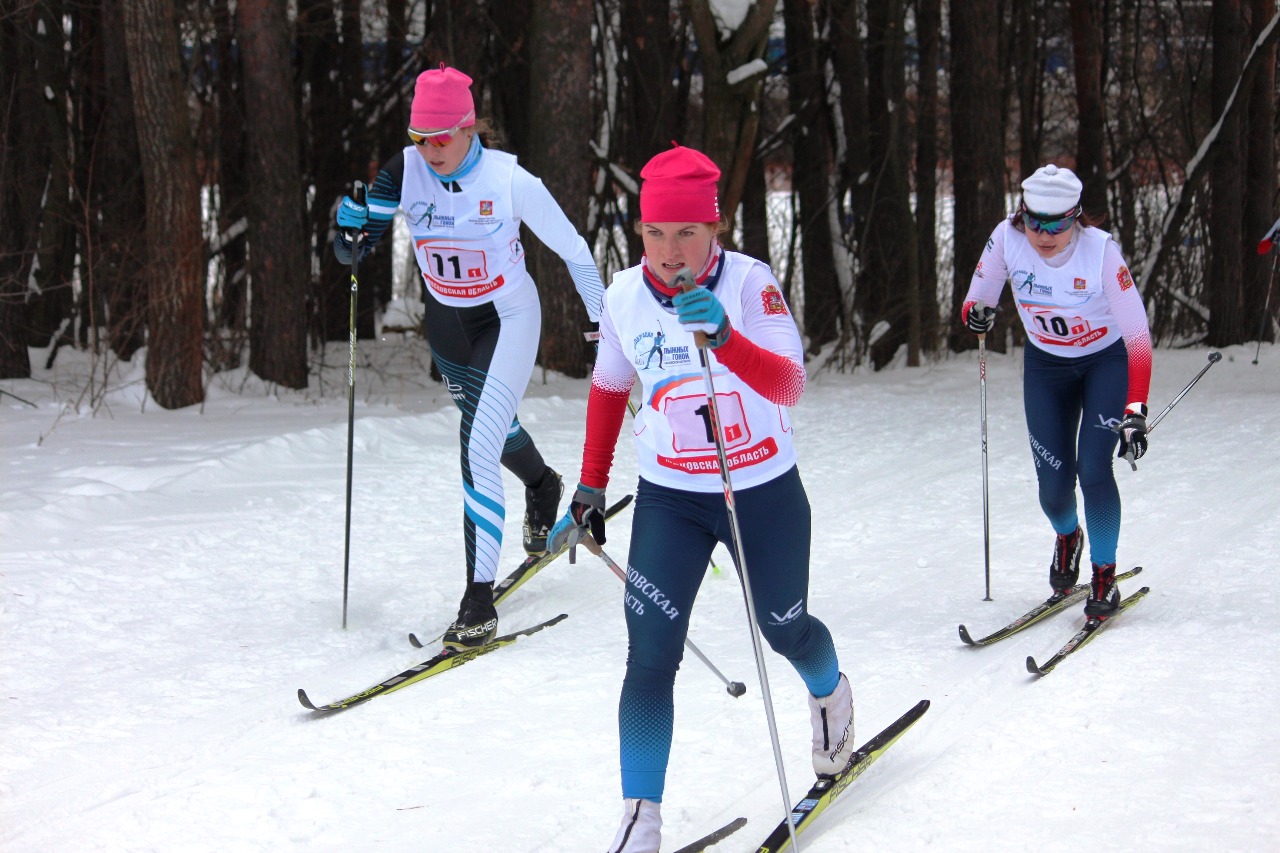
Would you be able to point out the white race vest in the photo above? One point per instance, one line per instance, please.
(674, 441)
(467, 243)
(1063, 309)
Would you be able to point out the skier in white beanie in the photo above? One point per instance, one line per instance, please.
(1087, 364)
(1051, 190)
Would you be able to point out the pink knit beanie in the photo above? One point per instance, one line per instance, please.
(441, 99)
(679, 186)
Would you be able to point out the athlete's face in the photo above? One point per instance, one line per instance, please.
(444, 159)
(1048, 245)
(672, 245)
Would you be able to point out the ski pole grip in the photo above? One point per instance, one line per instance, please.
(357, 195)
(685, 281)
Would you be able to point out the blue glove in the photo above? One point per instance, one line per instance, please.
(352, 215)
(698, 310)
(585, 515)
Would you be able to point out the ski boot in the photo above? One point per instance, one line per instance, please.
(1064, 571)
(641, 830)
(477, 621)
(832, 718)
(541, 508)
(1104, 595)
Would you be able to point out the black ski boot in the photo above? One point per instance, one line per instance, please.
(477, 621)
(1064, 571)
(1104, 596)
(541, 510)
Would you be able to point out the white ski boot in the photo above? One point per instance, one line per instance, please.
(641, 830)
(832, 718)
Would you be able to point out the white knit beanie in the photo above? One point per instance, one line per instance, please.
(1051, 190)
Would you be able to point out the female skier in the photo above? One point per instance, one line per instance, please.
(1087, 366)
(680, 511)
(464, 204)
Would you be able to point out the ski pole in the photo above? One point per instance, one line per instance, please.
(986, 512)
(1265, 245)
(734, 688)
(685, 280)
(1266, 308)
(354, 236)
(1214, 358)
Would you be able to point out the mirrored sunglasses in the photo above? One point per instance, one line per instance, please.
(1051, 225)
(439, 138)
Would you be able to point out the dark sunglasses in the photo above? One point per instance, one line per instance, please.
(439, 138)
(1051, 225)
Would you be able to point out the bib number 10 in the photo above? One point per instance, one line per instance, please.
(1055, 325)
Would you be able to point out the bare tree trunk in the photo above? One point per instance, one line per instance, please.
(1091, 116)
(811, 174)
(231, 323)
(928, 33)
(730, 118)
(22, 177)
(278, 247)
(331, 160)
(849, 61)
(116, 248)
(848, 57)
(1226, 200)
(560, 79)
(175, 276)
(52, 301)
(653, 112)
(755, 216)
(976, 142)
(1260, 201)
(1029, 60)
(889, 289)
(506, 74)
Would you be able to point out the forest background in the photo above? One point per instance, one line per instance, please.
(169, 170)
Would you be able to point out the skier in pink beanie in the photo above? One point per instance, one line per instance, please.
(463, 204)
(442, 99)
(680, 508)
(680, 184)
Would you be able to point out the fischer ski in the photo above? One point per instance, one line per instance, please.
(827, 788)
(1090, 630)
(1051, 605)
(443, 662)
(523, 572)
(714, 837)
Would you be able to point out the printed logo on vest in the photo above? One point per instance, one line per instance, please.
(773, 301)
(1126, 280)
(648, 346)
(1025, 282)
(424, 214)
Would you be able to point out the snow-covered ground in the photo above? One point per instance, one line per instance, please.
(170, 579)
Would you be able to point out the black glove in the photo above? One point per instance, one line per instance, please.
(1133, 433)
(585, 514)
(979, 318)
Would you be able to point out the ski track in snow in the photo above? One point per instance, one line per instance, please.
(169, 579)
